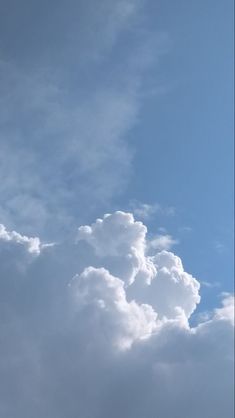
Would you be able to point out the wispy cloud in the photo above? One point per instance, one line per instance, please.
(147, 211)
(210, 285)
(163, 242)
(185, 229)
(219, 247)
(63, 137)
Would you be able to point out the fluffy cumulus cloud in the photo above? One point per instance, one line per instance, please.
(98, 328)
(128, 321)
(159, 279)
(120, 237)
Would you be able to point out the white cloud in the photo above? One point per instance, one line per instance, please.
(160, 279)
(172, 292)
(147, 211)
(32, 244)
(81, 340)
(98, 328)
(128, 321)
(163, 242)
(119, 236)
(210, 285)
(144, 210)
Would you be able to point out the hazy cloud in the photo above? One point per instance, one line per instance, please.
(66, 106)
(147, 211)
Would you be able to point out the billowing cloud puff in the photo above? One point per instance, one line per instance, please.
(159, 280)
(111, 339)
(32, 244)
(120, 237)
(104, 294)
(172, 291)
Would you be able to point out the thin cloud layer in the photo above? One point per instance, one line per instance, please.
(66, 107)
(163, 242)
(97, 328)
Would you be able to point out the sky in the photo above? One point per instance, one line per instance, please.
(116, 209)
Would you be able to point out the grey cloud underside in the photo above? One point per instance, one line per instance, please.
(79, 337)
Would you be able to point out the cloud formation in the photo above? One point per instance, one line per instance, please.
(33, 245)
(145, 211)
(98, 328)
(163, 242)
(120, 237)
(66, 106)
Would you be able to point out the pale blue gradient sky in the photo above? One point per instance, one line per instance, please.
(104, 105)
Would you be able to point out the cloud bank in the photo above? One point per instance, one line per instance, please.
(97, 328)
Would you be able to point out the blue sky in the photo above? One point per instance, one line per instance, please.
(185, 135)
(144, 100)
(114, 112)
